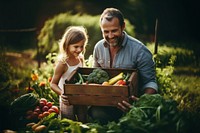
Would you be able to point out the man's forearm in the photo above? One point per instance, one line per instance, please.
(150, 91)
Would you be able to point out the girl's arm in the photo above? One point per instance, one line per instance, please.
(59, 70)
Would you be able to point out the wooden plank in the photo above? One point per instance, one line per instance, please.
(95, 100)
(133, 84)
(96, 90)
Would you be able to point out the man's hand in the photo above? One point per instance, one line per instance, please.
(65, 100)
(126, 106)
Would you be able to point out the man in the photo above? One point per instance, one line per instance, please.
(119, 50)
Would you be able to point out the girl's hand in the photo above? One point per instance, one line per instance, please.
(65, 100)
(126, 106)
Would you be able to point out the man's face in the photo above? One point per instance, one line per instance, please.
(112, 31)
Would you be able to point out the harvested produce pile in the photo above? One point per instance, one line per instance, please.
(100, 76)
(29, 108)
(150, 114)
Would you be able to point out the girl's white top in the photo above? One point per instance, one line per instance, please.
(67, 74)
(67, 111)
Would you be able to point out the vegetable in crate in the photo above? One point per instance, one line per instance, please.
(124, 80)
(98, 76)
(116, 78)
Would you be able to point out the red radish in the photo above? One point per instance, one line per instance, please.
(51, 111)
(43, 100)
(37, 110)
(49, 104)
(46, 113)
(35, 115)
(45, 108)
(55, 108)
(42, 104)
(40, 116)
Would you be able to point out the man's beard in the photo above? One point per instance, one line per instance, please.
(117, 42)
(114, 44)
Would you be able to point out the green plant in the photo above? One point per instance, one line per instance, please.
(41, 78)
(10, 82)
(164, 78)
(184, 57)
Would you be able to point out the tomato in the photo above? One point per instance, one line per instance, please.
(120, 82)
(49, 104)
(45, 108)
(55, 108)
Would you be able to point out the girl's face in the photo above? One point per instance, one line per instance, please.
(76, 49)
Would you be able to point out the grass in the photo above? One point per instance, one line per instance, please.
(187, 81)
(187, 71)
(187, 88)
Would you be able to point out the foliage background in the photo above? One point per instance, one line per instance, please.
(54, 28)
(178, 19)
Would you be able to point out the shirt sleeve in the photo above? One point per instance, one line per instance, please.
(95, 55)
(146, 68)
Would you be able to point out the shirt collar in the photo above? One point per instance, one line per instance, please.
(125, 39)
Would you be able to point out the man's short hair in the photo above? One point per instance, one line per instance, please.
(110, 13)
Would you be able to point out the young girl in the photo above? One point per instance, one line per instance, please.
(72, 48)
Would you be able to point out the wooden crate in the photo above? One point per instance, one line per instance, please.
(100, 95)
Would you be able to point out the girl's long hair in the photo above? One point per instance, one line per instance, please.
(72, 35)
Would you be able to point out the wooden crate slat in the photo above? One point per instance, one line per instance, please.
(96, 90)
(133, 83)
(95, 100)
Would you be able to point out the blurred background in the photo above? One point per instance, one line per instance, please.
(21, 20)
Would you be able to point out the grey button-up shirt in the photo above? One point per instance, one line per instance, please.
(132, 55)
